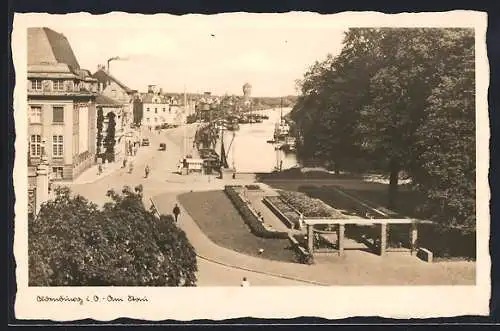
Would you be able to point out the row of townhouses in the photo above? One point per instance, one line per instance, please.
(69, 110)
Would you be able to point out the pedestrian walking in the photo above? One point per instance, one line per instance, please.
(124, 162)
(245, 282)
(146, 171)
(130, 167)
(99, 169)
(176, 212)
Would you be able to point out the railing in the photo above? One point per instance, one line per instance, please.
(153, 207)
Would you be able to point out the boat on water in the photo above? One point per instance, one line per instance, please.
(281, 130)
(233, 126)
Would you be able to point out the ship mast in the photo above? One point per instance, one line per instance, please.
(281, 109)
(185, 127)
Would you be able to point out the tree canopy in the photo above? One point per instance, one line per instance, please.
(74, 243)
(398, 100)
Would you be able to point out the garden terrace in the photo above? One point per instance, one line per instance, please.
(223, 224)
(309, 207)
(249, 215)
(288, 215)
(351, 204)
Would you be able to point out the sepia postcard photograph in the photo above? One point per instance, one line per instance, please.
(251, 165)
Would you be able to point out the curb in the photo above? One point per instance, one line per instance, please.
(96, 179)
(245, 268)
(261, 272)
(102, 176)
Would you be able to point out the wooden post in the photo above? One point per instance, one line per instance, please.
(413, 237)
(341, 239)
(383, 238)
(310, 238)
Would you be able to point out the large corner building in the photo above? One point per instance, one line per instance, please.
(61, 106)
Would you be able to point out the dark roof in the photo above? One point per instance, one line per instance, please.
(104, 78)
(148, 98)
(104, 100)
(45, 46)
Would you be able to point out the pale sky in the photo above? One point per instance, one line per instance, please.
(269, 51)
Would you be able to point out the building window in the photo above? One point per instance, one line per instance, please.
(147, 109)
(58, 172)
(36, 145)
(58, 85)
(163, 109)
(156, 119)
(156, 110)
(57, 146)
(147, 119)
(36, 84)
(36, 114)
(58, 115)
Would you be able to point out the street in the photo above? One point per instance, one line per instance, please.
(163, 178)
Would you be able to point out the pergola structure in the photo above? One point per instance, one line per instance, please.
(381, 223)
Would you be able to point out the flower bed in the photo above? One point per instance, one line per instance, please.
(336, 197)
(283, 211)
(309, 207)
(252, 187)
(250, 218)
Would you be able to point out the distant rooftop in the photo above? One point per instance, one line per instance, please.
(46, 46)
(105, 77)
(104, 100)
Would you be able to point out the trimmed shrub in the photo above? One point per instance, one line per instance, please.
(250, 218)
(283, 211)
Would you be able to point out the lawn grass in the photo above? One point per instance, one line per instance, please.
(220, 221)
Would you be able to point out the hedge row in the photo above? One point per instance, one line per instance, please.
(250, 218)
(282, 210)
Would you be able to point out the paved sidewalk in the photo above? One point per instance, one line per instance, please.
(91, 175)
(356, 268)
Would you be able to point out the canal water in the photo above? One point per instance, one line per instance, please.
(250, 151)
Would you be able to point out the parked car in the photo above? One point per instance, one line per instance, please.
(163, 147)
(145, 142)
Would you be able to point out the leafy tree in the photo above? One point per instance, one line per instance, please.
(403, 99)
(399, 90)
(445, 143)
(74, 243)
(100, 120)
(138, 111)
(110, 141)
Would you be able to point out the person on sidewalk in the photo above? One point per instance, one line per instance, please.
(245, 283)
(130, 167)
(146, 171)
(124, 162)
(176, 212)
(99, 169)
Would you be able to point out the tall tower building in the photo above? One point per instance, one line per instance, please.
(247, 92)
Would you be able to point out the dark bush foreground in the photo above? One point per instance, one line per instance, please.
(73, 243)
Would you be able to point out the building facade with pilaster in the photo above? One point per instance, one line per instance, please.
(61, 109)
